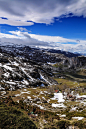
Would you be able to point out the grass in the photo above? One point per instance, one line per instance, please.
(82, 72)
(58, 65)
(13, 118)
(34, 93)
(72, 103)
(66, 83)
(76, 77)
(37, 92)
(82, 93)
(51, 117)
(53, 101)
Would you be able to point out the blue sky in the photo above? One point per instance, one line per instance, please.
(56, 24)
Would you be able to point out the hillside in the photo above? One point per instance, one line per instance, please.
(12, 118)
(47, 81)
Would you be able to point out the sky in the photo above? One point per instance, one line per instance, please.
(52, 24)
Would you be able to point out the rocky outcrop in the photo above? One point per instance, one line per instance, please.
(75, 62)
(20, 72)
(23, 66)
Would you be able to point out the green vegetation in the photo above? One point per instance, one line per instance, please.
(15, 115)
(13, 118)
(69, 115)
(63, 124)
(58, 65)
(66, 83)
(82, 72)
(21, 115)
(81, 124)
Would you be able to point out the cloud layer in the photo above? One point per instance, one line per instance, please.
(33, 40)
(18, 12)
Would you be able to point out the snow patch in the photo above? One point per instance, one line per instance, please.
(79, 118)
(13, 83)
(6, 74)
(15, 63)
(63, 115)
(58, 96)
(17, 95)
(58, 105)
(7, 67)
(25, 82)
(28, 97)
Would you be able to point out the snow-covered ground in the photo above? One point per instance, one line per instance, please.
(13, 83)
(15, 63)
(42, 77)
(60, 100)
(58, 105)
(6, 74)
(8, 67)
(78, 118)
(59, 97)
(80, 96)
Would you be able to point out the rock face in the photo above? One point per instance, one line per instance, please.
(67, 54)
(1, 72)
(18, 72)
(22, 66)
(37, 55)
(75, 62)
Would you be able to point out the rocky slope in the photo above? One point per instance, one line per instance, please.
(19, 72)
(45, 80)
(22, 66)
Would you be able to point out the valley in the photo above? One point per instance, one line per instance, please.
(52, 83)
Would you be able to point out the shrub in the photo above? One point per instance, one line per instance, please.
(11, 118)
(63, 124)
(80, 124)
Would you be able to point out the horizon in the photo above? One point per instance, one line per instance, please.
(51, 24)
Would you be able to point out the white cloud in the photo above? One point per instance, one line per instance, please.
(18, 12)
(3, 35)
(51, 38)
(40, 11)
(54, 42)
(18, 37)
(15, 22)
(22, 29)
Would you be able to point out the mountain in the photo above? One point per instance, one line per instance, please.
(22, 66)
(66, 53)
(36, 54)
(40, 88)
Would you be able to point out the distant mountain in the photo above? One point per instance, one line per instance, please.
(66, 53)
(36, 54)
